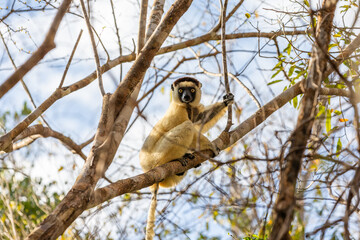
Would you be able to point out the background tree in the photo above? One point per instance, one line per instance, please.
(289, 165)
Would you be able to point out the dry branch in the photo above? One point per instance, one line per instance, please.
(70, 59)
(93, 45)
(223, 8)
(142, 25)
(42, 131)
(155, 17)
(285, 203)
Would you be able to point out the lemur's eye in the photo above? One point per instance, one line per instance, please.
(180, 90)
(193, 90)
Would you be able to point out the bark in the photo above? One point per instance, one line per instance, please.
(285, 203)
(107, 141)
(142, 25)
(47, 45)
(155, 17)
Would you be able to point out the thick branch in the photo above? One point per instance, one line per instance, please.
(145, 180)
(142, 25)
(285, 203)
(155, 17)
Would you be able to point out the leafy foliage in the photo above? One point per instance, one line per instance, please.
(22, 205)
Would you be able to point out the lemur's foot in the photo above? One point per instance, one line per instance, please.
(189, 156)
(184, 161)
(215, 149)
(228, 99)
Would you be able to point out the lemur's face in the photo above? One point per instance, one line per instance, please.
(186, 92)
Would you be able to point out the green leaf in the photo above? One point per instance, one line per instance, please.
(277, 65)
(338, 147)
(295, 101)
(25, 111)
(340, 86)
(288, 49)
(301, 73)
(337, 112)
(328, 120)
(273, 82)
(332, 45)
(306, 3)
(247, 15)
(277, 72)
(291, 70)
(321, 111)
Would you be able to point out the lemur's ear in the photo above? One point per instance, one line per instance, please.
(199, 85)
(172, 87)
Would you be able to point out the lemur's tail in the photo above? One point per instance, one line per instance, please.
(151, 214)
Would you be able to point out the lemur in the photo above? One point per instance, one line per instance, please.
(178, 134)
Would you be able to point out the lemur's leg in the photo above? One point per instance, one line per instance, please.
(174, 144)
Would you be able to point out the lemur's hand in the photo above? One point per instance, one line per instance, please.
(228, 99)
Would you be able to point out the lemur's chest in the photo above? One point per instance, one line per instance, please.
(177, 115)
(192, 113)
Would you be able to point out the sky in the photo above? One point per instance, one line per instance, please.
(77, 114)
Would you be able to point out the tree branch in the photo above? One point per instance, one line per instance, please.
(155, 17)
(285, 203)
(93, 45)
(39, 130)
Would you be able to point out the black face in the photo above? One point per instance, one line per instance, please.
(187, 94)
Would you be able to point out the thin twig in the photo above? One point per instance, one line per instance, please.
(223, 50)
(22, 80)
(97, 60)
(70, 59)
(252, 96)
(117, 35)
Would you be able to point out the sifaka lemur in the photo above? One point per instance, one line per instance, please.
(178, 134)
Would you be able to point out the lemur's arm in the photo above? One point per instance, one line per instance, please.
(208, 116)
